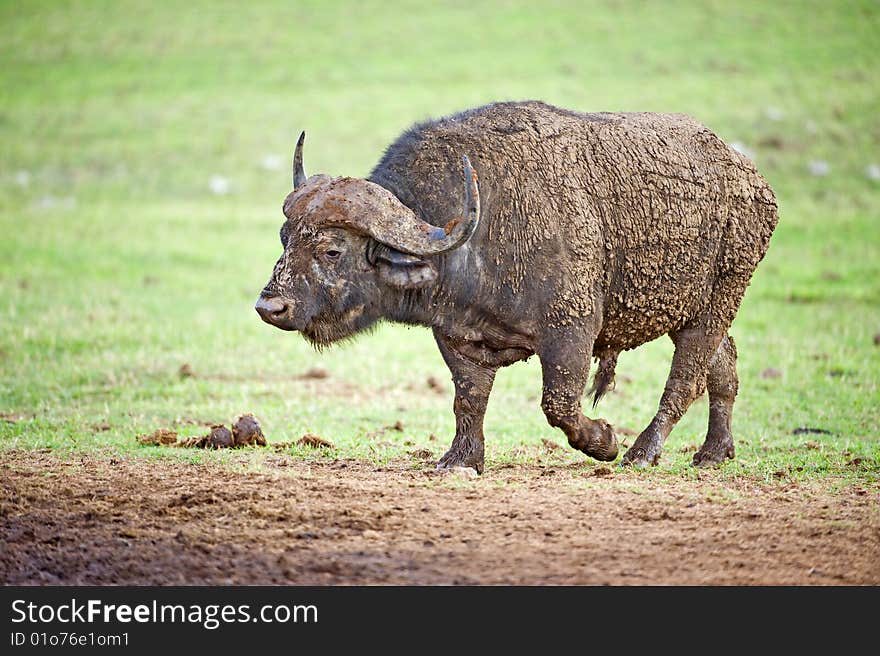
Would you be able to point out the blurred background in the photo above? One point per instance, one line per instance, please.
(146, 152)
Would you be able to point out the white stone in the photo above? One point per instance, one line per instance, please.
(218, 185)
(774, 113)
(272, 162)
(819, 167)
(468, 473)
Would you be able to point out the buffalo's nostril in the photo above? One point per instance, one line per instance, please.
(271, 308)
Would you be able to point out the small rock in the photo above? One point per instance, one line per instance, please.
(218, 185)
(467, 473)
(872, 171)
(550, 445)
(855, 462)
(422, 454)
(602, 471)
(774, 113)
(186, 371)
(370, 534)
(49, 202)
(396, 426)
(272, 162)
(771, 372)
(810, 444)
(314, 441)
(819, 168)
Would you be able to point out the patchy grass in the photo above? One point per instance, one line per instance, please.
(119, 264)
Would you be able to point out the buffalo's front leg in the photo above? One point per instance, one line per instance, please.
(565, 361)
(473, 383)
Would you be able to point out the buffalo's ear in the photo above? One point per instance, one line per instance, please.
(399, 269)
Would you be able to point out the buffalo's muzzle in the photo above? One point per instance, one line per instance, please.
(276, 311)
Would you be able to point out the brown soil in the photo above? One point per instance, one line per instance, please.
(93, 520)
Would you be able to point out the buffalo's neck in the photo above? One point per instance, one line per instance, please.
(456, 270)
(412, 307)
(434, 305)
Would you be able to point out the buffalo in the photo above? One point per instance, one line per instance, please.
(519, 229)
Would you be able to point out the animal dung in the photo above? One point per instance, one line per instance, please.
(315, 441)
(315, 373)
(160, 437)
(220, 437)
(247, 432)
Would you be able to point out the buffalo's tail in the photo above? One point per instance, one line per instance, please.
(603, 381)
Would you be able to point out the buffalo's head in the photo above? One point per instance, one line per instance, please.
(349, 244)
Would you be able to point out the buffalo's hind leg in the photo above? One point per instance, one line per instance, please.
(473, 383)
(722, 383)
(565, 362)
(687, 381)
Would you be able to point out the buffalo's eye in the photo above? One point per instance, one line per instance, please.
(332, 254)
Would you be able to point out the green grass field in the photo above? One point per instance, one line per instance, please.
(118, 263)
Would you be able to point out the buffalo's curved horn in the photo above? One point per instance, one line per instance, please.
(299, 174)
(421, 238)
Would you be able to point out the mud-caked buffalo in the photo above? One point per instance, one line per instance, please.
(520, 229)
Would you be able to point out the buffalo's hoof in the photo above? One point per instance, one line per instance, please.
(639, 458)
(714, 453)
(644, 453)
(596, 439)
(455, 458)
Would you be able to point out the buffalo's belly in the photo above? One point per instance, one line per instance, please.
(652, 291)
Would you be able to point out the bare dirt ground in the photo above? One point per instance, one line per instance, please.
(100, 520)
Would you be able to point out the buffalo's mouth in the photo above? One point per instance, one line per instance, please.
(319, 330)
